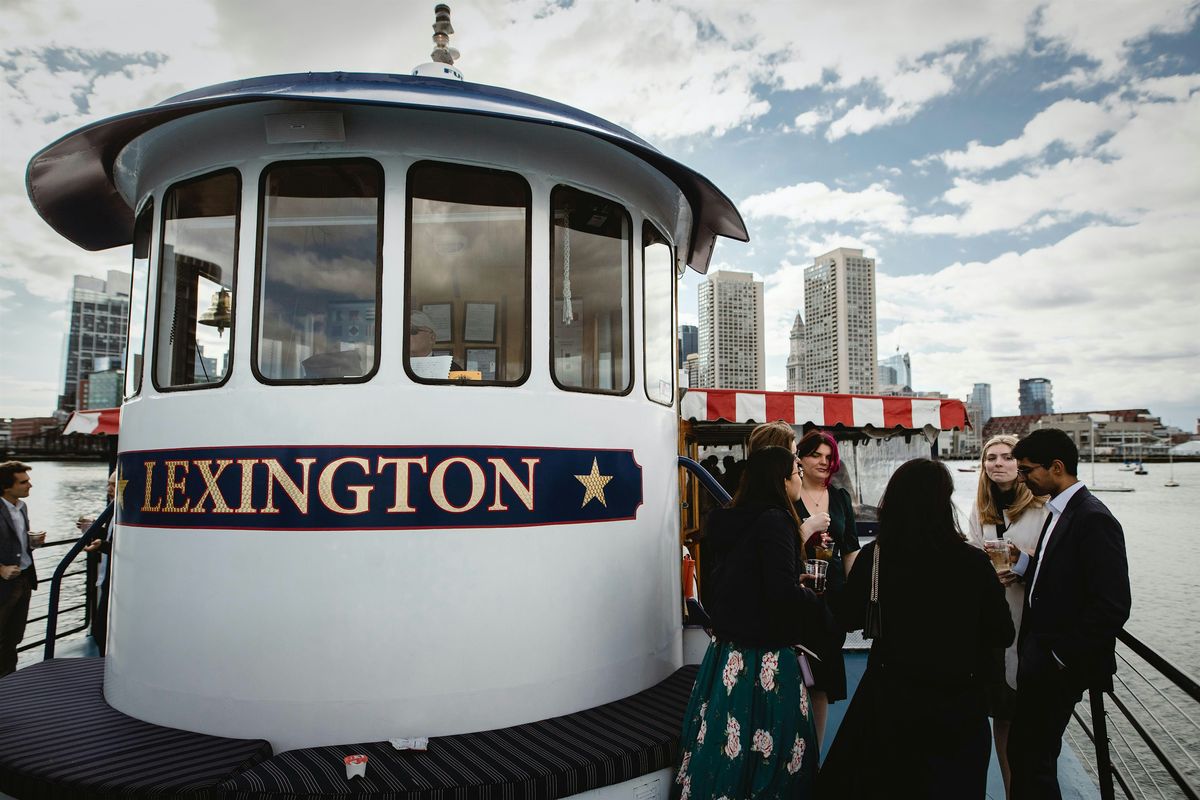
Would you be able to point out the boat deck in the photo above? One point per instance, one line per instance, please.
(91, 750)
(59, 738)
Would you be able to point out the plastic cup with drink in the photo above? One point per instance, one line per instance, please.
(819, 570)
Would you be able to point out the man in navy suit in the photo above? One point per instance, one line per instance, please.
(18, 577)
(1076, 601)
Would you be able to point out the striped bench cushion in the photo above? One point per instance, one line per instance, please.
(553, 758)
(58, 738)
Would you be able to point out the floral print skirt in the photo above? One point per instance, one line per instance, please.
(748, 731)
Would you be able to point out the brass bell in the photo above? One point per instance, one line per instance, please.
(220, 314)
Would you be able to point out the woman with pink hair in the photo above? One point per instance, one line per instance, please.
(829, 533)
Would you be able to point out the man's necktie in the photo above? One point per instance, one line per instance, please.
(1037, 553)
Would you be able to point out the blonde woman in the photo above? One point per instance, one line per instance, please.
(1005, 509)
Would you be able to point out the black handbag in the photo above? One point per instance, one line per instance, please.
(873, 627)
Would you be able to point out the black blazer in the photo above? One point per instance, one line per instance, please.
(1080, 599)
(10, 548)
(755, 598)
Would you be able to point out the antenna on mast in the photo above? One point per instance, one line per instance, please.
(443, 55)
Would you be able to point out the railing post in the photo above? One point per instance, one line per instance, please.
(1104, 771)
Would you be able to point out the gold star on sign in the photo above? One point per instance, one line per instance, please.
(594, 483)
(120, 493)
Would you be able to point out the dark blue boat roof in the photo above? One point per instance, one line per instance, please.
(71, 182)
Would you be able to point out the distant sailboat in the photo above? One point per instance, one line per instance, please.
(1171, 482)
(1095, 487)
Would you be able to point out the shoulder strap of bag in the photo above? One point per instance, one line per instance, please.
(875, 575)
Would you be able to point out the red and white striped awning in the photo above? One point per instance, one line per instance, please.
(824, 410)
(99, 421)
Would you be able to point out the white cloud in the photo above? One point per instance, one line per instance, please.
(1134, 175)
(809, 121)
(1092, 312)
(812, 202)
(1075, 124)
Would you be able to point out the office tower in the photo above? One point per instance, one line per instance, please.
(839, 306)
(1035, 396)
(99, 313)
(981, 396)
(692, 365)
(795, 361)
(688, 343)
(731, 332)
(895, 374)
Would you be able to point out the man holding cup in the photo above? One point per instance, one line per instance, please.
(18, 576)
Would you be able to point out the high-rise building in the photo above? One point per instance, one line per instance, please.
(689, 336)
(894, 374)
(731, 332)
(693, 369)
(1035, 396)
(839, 306)
(795, 362)
(99, 313)
(981, 395)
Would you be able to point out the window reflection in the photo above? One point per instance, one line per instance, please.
(136, 343)
(320, 271)
(589, 284)
(658, 283)
(468, 275)
(196, 279)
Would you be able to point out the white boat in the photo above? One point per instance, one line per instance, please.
(398, 459)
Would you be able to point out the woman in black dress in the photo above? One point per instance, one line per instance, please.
(748, 729)
(827, 531)
(920, 711)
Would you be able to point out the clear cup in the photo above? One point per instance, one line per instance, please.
(819, 570)
(997, 550)
(37, 539)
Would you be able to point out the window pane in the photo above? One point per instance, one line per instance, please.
(589, 285)
(468, 275)
(136, 343)
(658, 283)
(195, 306)
(320, 271)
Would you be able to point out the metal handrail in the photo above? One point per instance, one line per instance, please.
(706, 478)
(95, 531)
(1106, 771)
(1177, 676)
(89, 601)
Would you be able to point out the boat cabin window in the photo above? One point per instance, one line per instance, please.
(469, 232)
(320, 241)
(135, 345)
(589, 290)
(196, 281)
(658, 284)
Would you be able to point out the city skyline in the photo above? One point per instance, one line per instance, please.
(1013, 169)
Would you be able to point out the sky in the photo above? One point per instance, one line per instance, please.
(1026, 173)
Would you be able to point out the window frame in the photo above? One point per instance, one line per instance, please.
(674, 333)
(527, 355)
(237, 235)
(632, 360)
(258, 272)
(147, 204)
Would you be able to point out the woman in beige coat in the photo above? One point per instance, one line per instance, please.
(1005, 509)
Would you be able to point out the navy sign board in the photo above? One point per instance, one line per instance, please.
(363, 488)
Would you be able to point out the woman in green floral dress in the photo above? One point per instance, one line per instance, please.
(748, 731)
